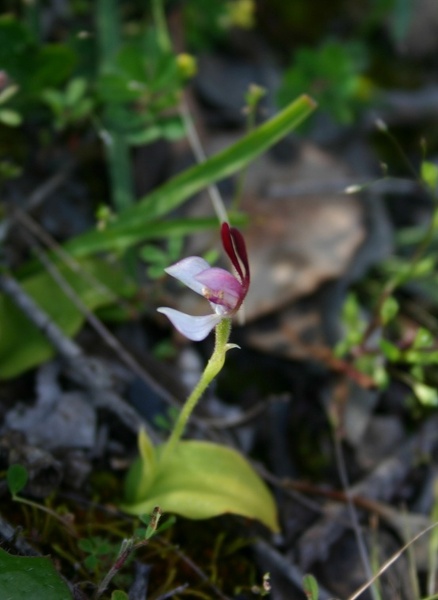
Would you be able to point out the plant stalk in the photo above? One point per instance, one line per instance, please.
(214, 365)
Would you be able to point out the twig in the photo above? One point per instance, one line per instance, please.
(199, 572)
(48, 187)
(63, 345)
(126, 549)
(39, 196)
(171, 594)
(315, 544)
(390, 561)
(199, 154)
(139, 588)
(242, 419)
(45, 238)
(354, 519)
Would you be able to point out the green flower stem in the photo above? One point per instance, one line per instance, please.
(214, 365)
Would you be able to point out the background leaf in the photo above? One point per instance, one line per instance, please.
(30, 577)
(16, 478)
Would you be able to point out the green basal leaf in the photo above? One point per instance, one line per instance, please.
(30, 347)
(201, 480)
(143, 219)
(30, 577)
(143, 470)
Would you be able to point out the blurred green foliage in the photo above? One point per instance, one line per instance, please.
(31, 66)
(384, 342)
(206, 22)
(334, 74)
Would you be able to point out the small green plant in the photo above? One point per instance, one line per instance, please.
(197, 479)
(98, 550)
(70, 106)
(310, 587)
(16, 479)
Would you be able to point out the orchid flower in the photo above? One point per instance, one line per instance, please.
(224, 291)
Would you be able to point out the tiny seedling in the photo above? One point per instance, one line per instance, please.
(16, 479)
(310, 587)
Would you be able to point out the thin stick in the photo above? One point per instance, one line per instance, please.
(197, 570)
(352, 511)
(63, 345)
(198, 151)
(45, 238)
(390, 561)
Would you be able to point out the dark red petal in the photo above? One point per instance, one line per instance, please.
(240, 246)
(227, 243)
(234, 245)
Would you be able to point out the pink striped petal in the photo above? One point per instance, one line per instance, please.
(220, 287)
(193, 328)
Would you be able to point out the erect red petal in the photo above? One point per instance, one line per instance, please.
(234, 245)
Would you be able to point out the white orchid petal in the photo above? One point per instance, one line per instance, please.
(193, 328)
(186, 271)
